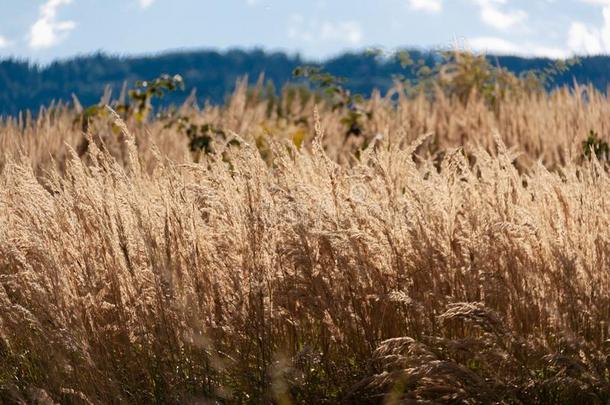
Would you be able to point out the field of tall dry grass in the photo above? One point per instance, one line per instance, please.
(451, 253)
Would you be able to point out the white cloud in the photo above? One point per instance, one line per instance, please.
(493, 45)
(492, 15)
(4, 43)
(47, 31)
(349, 32)
(144, 4)
(431, 6)
(597, 2)
(590, 40)
(583, 39)
(343, 31)
(502, 46)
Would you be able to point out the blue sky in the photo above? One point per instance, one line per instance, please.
(44, 30)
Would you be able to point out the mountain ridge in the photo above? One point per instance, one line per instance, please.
(25, 86)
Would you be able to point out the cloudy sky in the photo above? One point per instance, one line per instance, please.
(44, 30)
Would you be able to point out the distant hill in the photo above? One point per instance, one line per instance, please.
(26, 86)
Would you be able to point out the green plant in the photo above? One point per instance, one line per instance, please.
(141, 97)
(594, 143)
(340, 98)
(463, 74)
(202, 138)
(140, 101)
(546, 76)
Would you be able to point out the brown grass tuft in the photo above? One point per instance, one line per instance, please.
(133, 274)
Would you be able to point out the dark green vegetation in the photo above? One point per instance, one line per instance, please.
(456, 75)
(25, 86)
(595, 144)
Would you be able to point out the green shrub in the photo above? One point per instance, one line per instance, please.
(594, 143)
